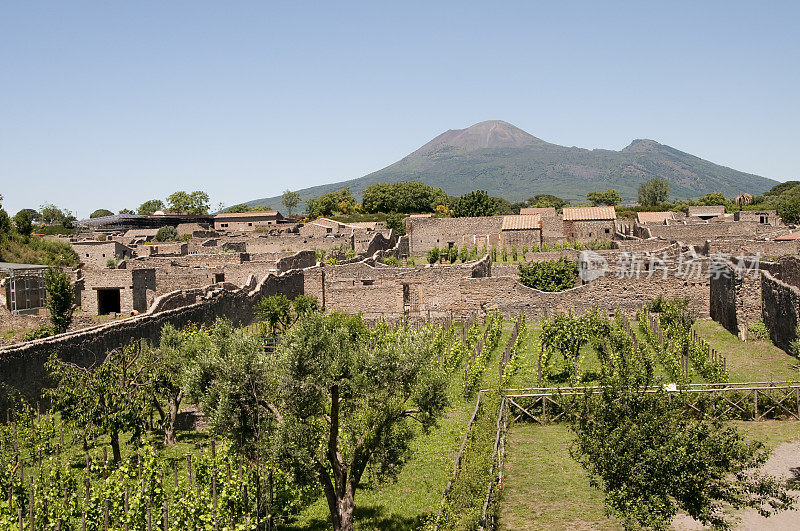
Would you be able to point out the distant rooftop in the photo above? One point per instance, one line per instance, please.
(10, 266)
(589, 213)
(522, 222)
(655, 217)
(543, 211)
(250, 214)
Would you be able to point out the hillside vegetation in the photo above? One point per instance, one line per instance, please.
(507, 162)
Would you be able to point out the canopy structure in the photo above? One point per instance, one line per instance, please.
(23, 286)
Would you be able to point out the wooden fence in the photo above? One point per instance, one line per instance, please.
(742, 401)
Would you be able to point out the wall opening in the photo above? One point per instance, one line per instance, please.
(108, 301)
(219, 277)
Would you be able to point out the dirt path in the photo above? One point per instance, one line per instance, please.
(784, 463)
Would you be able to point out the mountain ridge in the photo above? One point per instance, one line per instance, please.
(509, 162)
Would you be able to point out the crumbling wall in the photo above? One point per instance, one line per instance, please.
(22, 365)
(426, 233)
(780, 309)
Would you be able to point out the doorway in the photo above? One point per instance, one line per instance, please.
(108, 301)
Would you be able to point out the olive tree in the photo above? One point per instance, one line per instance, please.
(346, 397)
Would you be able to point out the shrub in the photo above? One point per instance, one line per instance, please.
(452, 254)
(111, 263)
(545, 248)
(433, 255)
(332, 261)
(391, 261)
(514, 253)
(578, 246)
(504, 254)
(758, 330)
(550, 275)
(411, 262)
(38, 333)
(464, 254)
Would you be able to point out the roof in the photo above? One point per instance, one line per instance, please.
(250, 214)
(655, 217)
(543, 211)
(589, 213)
(706, 210)
(522, 222)
(365, 224)
(9, 266)
(788, 237)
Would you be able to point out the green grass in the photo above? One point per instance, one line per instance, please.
(751, 361)
(543, 487)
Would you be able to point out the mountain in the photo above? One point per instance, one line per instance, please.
(508, 162)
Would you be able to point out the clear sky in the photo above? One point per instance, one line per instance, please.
(108, 104)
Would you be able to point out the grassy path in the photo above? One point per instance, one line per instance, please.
(544, 488)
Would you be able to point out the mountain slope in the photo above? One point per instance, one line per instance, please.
(508, 162)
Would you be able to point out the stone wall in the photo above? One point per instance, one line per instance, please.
(97, 254)
(780, 309)
(765, 248)
(709, 231)
(426, 233)
(22, 365)
(735, 299)
(137, 288)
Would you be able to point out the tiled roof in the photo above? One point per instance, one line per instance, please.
(788, 237)
(543, 211)
(589, 213)
(655, 217)
(251, 214)
(522, 222)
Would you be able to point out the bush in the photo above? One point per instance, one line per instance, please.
(60, 298)
(514, 253)
(758, 330)
(550, 275)
(411, 262)
(464, 254)
(111, 263)
(332, 261)
(166, 234)
(38, 333)
(390, 261)
(433, 255)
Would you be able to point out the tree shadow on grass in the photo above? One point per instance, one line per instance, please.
(369, 517)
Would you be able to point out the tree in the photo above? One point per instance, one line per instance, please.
(279, 313)
(651, 460)
(105, 399)
(653, 192)
(474, 204)
(339, 202)
(713, 199)
(609, 197)
(787, 205)
(60, 299)
(148, 207)
(238, 209)
(126, 211)
(167, 369)
(397, 222)
(190, 203)
(502, 206)
(547, 201)
(289, 200)
(167, 233)
(101, 212)
(346, 398)
(404, 197)
(51, 214)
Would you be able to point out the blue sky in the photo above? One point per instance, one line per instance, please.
(108, 104)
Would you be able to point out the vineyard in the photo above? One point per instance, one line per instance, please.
(111, 453)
